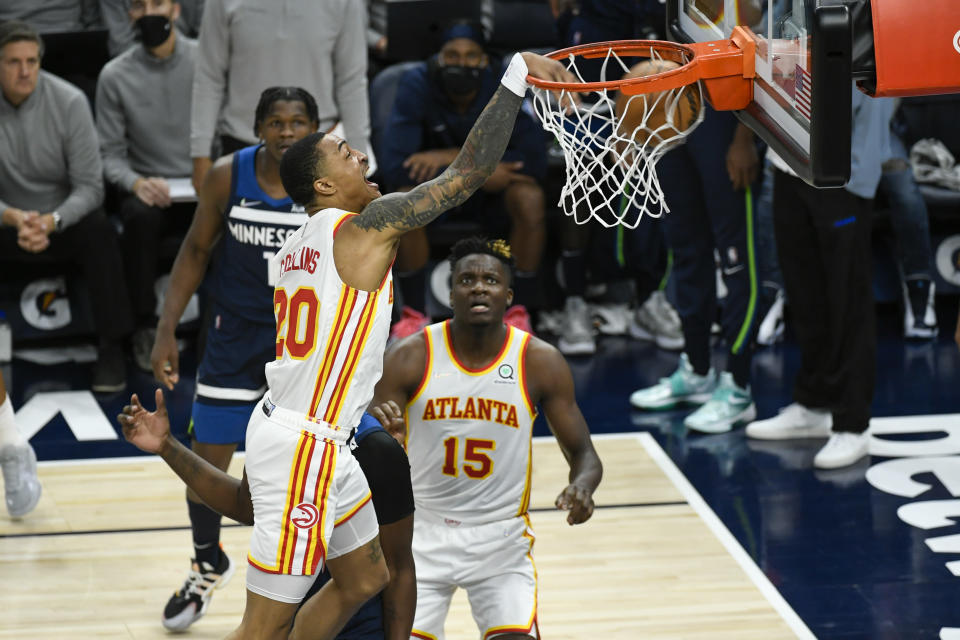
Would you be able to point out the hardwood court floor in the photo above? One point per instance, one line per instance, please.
(109, 543)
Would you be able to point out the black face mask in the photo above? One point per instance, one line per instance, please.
(153, 30)
(457, 80)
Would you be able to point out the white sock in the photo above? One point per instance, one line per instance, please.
(9, 434)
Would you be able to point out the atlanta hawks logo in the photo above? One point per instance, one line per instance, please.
(305, 515)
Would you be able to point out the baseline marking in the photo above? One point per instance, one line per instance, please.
(726, 538)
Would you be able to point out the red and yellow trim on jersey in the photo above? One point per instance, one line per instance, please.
(427, 372)
(353, 511)
(448, 343)
(525, 496)
(422, 634)
(428, 365)
(295, 486)
(522, 376)
(357, 345)
(316, 535)
(343, 218)
(348, 298)
(493, 631)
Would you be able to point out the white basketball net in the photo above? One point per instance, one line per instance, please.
(611, 174)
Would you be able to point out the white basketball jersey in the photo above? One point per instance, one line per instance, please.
(330, 337)
(469, 433)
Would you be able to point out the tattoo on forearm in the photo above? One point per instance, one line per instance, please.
(374, 551)
(476, 161)
(186, 466)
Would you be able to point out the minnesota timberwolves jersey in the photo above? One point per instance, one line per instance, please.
(469, 432)
(257, 226)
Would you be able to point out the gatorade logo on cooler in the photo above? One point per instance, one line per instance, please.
(956, 41)
(44, 304)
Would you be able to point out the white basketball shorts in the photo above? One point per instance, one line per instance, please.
(493, 562)
(311, 502)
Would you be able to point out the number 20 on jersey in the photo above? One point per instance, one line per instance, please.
(297, 316)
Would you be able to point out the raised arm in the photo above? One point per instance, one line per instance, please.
(551, 383)
(150, 432)
(396, 213)
(189, 269)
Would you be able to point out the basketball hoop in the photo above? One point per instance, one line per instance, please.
(611, 146)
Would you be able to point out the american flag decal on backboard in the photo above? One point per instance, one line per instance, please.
(802, 90)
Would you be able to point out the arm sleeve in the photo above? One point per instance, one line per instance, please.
(210, 77)
(350, 77)
(528, 145)
(83, 163)
(385, 465)
(111, 128)
(403, 135)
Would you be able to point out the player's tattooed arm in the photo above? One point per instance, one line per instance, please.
(476, 161)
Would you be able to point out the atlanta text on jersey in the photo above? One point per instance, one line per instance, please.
(472, 409)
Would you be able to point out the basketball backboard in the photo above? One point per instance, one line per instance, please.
(801, 103)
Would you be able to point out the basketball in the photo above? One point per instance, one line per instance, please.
(676, 109)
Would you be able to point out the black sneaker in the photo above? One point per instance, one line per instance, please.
(188, 605)
(110, 372)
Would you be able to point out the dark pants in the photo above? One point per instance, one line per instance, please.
(143, 228)
(706, 214)
(91, 245)
(823, 239)
(908, 215)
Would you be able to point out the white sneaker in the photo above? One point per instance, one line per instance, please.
(729, 405)
(576, 334)
(657, 320)
(21, 486)
(793, 421)
(611, 319)
(842, 450)
(684, 386)
(919, 315)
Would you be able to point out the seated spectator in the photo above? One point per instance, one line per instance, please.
(143, 101)
(122, 34)
(436, 104)
(51, 188)
(52, 16)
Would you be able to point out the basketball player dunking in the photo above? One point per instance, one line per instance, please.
(332, 303)
(470, 387)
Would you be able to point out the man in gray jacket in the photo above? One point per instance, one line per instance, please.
(249, 45)
(143, 101)
(51, 189)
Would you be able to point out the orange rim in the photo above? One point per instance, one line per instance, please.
(726, 65)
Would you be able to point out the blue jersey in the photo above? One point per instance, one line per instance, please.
(257, 225)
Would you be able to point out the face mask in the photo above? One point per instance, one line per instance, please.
(459, 81)
(153, 30)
